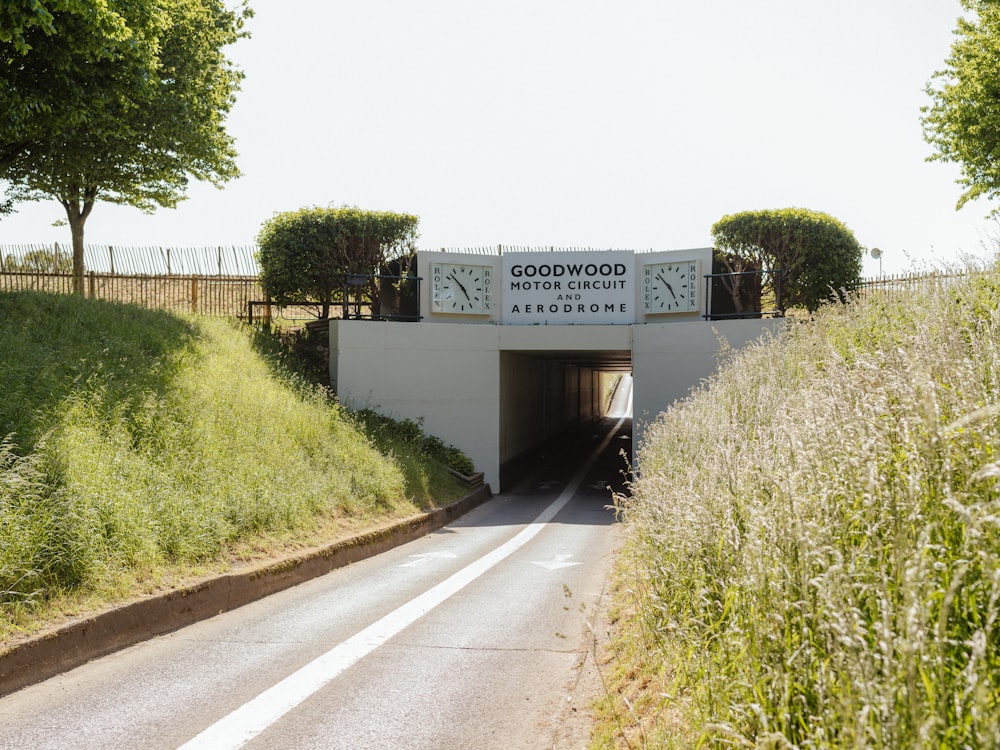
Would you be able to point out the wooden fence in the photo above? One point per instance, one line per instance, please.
(132, 261)
(212, 295)
(214, 281)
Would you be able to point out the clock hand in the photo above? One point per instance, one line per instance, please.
(667, 284)
(460, 286)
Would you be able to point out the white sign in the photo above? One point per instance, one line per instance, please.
(592, 287)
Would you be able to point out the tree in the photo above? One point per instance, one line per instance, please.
(41, 91)
(963, 122)
(46, 49)
(811, 254)
(142, 90)
(306, 255)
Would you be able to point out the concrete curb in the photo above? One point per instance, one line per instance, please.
(64, 648)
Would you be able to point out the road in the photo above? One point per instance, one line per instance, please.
(474, 636)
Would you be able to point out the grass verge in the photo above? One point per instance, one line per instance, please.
(139, 448)
(814, 546)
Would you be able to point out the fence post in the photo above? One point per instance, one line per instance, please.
(92, 285)
(194, 294)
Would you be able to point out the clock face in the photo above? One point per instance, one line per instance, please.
(461, 288)
(670, 287)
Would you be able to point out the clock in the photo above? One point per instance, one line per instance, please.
(461, 288)
(670, 287)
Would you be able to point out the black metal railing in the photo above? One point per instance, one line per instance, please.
(719, 302)
(361, 297)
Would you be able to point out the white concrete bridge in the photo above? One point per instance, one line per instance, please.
(497, 367)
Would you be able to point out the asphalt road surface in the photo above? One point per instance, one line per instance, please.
(475, 636)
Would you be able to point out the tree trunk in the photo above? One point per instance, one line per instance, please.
(77, 211)
(734, 286)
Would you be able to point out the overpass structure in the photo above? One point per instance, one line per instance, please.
(513, 350)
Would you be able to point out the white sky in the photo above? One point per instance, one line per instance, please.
(631, 124)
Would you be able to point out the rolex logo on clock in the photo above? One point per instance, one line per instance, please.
(671, 287)
(461, 288)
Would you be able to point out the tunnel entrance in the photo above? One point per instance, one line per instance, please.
(548, 399)
(498, 392)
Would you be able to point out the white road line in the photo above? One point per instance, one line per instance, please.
(246, 722)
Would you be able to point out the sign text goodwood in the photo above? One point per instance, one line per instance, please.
(574, 287)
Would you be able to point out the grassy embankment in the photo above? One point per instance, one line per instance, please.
(139, 449)
(814, 541)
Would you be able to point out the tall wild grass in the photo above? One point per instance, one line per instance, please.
(132, 439)
(814, 547)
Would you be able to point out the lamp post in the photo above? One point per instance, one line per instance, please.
(877, 255)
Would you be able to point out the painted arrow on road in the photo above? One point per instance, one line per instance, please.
(559, 561)
(426, 558)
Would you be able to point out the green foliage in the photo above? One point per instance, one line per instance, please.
(20, 18)
(963, 121)
(296, 350)
(38, 549)
(306, 254)
(116, 101)
(814, 554)
(44, 47)
(817, 255)
(136, 439)
(410, 434)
